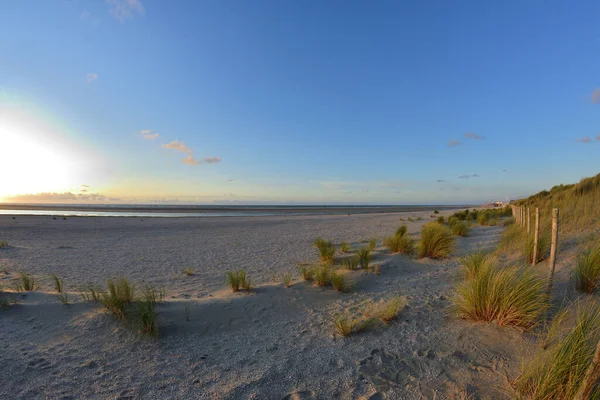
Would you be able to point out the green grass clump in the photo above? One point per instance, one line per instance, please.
(493, 222)
(25, 283)
(350, 263)
(92, 293)
(436, 212)
(322, 275)
(483, 218)
(459, 228)
(473, 263)
(508, 221)
(146, 318)
(364, 256)
(188, 271)
(326, 250)
(346, 324)
(557, 373)
(308, 272)
(419, 219)
(57, 283)
(63, 298)
(238, 280)
(287, 280)
(411, 219)
(512, 238)
(587, 270)
(436, 241)
(340, 282)
(344, 247)
(372, 244)
(543, 248)
(402, 230)
(118, 297)
(399, 244)
(387, 310)
(510, 296)
(440, 220)
(3, 244)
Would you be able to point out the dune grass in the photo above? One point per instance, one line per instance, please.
(238, 280)
(146, 318)
(92, 293)
(3, 244)
(25, 283)
(373, 244)
(512, 238)
(340, 282)
(344, 247)
(346, 324)
(483, 218)
(326, 250)
(287, 280)
(472, 263)
(558, 372)
(510, 296)
(350, 263)
(440, 220)
(399, 244)
(322, 275)
(119, 295)
(436, 212)
(587, 270)
(402, 230)
(307, 272)
(387, 310)
(376, 269)
(57, 283)
(63, 298)
(459, 228)
(152, 294)
(543, 248)
(364, 256)
(508, 221)
(188, 271)
(436, 241)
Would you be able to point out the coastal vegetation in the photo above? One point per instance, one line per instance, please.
(436, 241)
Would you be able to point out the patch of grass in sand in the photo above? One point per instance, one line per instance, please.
(326, 250)
(188, 271)
(344, 247)
(402, 230)
(322, 275)
(346, 324)
(459, 228)
(483, 218)
(512, 238)
(350, 263)
(559, 372)
(510, 296)
(508, 221)
(401, 219)
(57, 283)
(387, 310)
(436, 241)
(146, 318)
(92, 293)
(340, 282)
(399, 244)
(287, 280)
(493, 222)
(440, 220)
(473, 262)
(372, 244)
(419, 218)
(436, 212)
(410, 219)
(152, 294)
(364, 257)
(3, 244)
(543, 248)
(25, 283)
(587, 271)
(308, 272)
(63, 298)
(238, 280)
(118, 297)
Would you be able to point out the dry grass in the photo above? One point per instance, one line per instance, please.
(399, 244)
(25, 283)
(340, 282)
(373, 243)
(92, 293)
(346, 324)
(188, 271)
(118, 297)
(387, 310)
(326, 250)
(473, 263)
(344, 247)
(308, 272)
(402, 230)
(364, 256)
(587, 271)
(459, 228)
(557, 373)
(146, 318)
(350, 263)
(287, 280)
(322, 275)
(57, 283)
(509, 296)
(543, 248)
(436, 241)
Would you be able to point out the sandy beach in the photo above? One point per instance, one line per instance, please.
(272, 343)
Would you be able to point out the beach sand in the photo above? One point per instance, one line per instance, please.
(272, 343)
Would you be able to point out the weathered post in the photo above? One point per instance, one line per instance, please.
(528, 221)
(536, 236)
(553, 248)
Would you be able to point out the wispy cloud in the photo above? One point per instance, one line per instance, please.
(473, 135)
(176, 145)
(125, 9)
(468, 176)
(91, 77)
(147, 134)
(596, 96)
(453, 143)
(57, 197)
(440, 181)
(586, 139)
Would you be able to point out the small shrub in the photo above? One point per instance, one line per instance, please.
(345, 324)
(440, 220)
(543, 248)
(587, 270)
(364, 256)
(188, 271)
(436, 241)
(459, 228)
(238, 280)
(473, 263)
(119, 296)
(57, 283)
(436, 212)
(322, 276)
(387, 310)
(401, 219)
(399, 244)
(402, 230)
(344, 247)
(483, 218)
(372, 244)
(287, 280)
(308, 273)
(351, 263)
(510, 296)
(452, 220)
(340, 282)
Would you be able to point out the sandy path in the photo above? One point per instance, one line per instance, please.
(274, 343)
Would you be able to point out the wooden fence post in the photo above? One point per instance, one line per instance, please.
(536, 235)
(528, 221)
(553, 248)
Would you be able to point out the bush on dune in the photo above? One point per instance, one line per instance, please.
(436, 241)
(587, 270)
(459, 228)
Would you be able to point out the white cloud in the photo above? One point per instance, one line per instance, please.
(91, 77)
(189, 159)
(57, 197)
(125, 9)
(147, 134)
(177, 146)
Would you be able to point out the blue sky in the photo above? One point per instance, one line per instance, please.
(297, 101)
